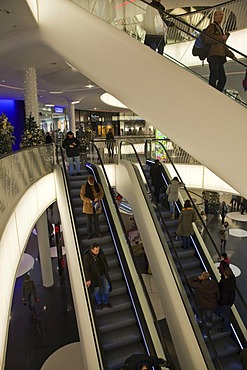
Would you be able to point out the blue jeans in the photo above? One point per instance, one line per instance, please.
(101, 294)
(186, 241)
(172, 207)
(207, 317)
(71, 164)
(226, 313)
(30, 302)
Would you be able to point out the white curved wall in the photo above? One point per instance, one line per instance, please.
(194, 115)
(12, 245)
(13, 242)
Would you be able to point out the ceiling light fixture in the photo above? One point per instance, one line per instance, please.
(89, 86)
(75, 102)
(55, 92)
(110, 100)
(49, 105)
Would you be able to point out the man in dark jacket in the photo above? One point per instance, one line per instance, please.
(227, 286)
(72, 147)
(97, 275)
(207, 295)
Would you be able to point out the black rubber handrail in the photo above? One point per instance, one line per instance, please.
(225, 91)
(78, 252)
(201, 220)
(212, 346)
(126, 269)
(176, 18)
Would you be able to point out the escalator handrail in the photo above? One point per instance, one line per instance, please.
(225, 91)
(176, 18)
(78, 252)
(126, 269)
(177, 257)
(201, 220)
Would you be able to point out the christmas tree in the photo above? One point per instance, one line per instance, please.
(32, 134)
(6, 135)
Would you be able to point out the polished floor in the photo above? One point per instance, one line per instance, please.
(31, 342)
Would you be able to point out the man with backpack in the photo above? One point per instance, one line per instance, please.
(217, 52)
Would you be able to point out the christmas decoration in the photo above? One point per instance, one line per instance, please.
(32, 135)
(6, 135)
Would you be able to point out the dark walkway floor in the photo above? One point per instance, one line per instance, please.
(31, 342)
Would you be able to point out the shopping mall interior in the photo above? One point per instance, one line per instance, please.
(83, 66)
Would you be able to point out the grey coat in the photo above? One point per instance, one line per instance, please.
(185, 220)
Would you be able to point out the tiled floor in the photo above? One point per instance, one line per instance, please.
(31, 342)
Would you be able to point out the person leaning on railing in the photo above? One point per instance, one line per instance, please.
(218, 51)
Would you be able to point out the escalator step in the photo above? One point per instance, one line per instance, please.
(114, 339)
(116, 359)
(115, 318)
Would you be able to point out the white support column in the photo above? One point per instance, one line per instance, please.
(44, 251)
(30, 93)
(71, 114)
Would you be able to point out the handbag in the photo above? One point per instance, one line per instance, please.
(96, 206)
(222, 232)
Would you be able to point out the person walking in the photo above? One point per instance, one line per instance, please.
(227, 287)
(224, 236)
(156, 178)
(155, 27)
(223, 212)
(97, 275)
(172, 193)
(217, 52)
(91, 194)
(72, 147)
(29, 294)
(207, 295)
(110, 144)
(185, 223)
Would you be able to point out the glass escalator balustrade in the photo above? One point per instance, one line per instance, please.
(129, 16)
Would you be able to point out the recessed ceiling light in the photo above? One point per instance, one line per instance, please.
(89, 86)
(3, 80)
(95, 108)
(110, 100)
(75, 102)
(56, 92)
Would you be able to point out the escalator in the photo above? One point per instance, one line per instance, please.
(123, 329)
(191, 262)
(167, 96)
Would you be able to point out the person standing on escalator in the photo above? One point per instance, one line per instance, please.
(218, 51)
(156, 178)
(91, 194)
(155, 27)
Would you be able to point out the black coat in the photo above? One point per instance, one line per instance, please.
(72, 152)
(227, 291)
(92, 270)
(156, 175)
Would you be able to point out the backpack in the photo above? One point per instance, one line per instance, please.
(201, 48)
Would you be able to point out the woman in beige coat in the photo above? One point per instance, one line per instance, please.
(185, 223)
(91, 194)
